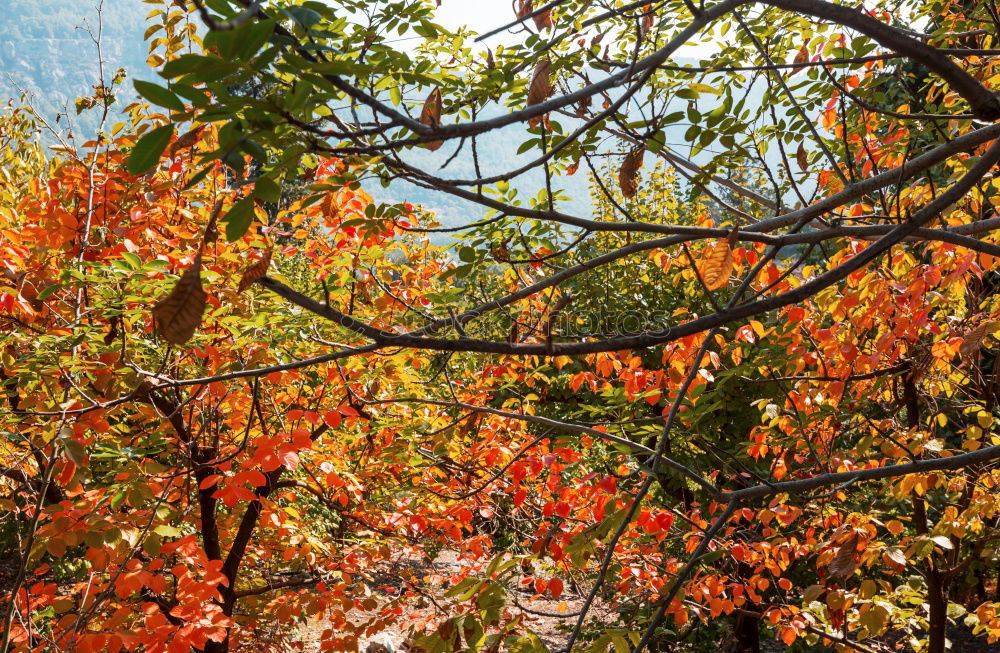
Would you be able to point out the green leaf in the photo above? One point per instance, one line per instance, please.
(49, 290)
(238, 219)
(133, 261)
(187, 63)
(158, 95)
(149, 149)
(201, 174)
(253, 37)
(75, 451)
(267, 189)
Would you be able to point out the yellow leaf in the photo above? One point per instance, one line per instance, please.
(716, 265)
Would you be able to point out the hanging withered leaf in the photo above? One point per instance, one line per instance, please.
(543, 20)
(186, 140)
(716, 264)
(112, 333)
(256, 271)
(490, 62)
(844, 562)
(212, 229)
(540, 88)
(178, 315)
(430, 115)
(500, 252)
(800, 59)
(628, 176)
(571, 170)
(973, 340)
(646, 23)
(802, 157)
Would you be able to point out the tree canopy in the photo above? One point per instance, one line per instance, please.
(751, 394)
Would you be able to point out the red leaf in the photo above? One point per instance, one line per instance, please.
(209, 481)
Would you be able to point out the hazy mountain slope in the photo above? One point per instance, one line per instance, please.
(46, 50)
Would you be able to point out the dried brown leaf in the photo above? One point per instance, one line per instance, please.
(647, 19)
(802, 158)
(733, 237)
(845, 561)
(186, 140)
(628, 176)
(212, 228)
(256, 271)
(430, 115)
(543, 20)
(800, 58)
(716, 264)
(178, 315)
(973, 340)
(571, 170)
(541, 87)
(499, 252)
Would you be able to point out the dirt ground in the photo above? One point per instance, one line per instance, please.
(551, 619)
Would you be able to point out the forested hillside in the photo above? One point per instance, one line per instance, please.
(47, 51)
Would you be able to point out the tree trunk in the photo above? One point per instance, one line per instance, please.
(937, 602)
(746, 634)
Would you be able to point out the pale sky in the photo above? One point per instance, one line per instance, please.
(485, 15)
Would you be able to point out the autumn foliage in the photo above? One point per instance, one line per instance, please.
(246, 405)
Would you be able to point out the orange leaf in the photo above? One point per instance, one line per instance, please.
(556, 587)
(628, 176)
(256, 271)
(179, 314)
(716, 264)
